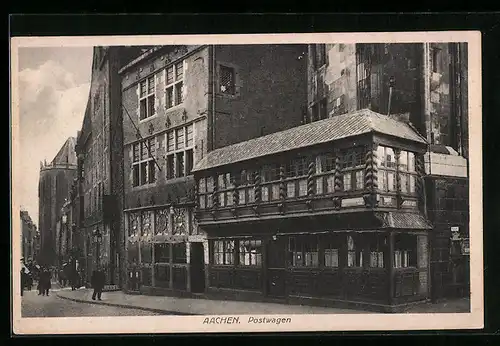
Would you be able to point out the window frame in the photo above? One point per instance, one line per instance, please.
(174, 85)
(305, 243)
(186, 150)
(149, 162)
(232, 87)
(147, 97)
(225, 253)
(258, 256)
(355, 155)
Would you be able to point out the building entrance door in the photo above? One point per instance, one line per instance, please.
(276, 268)
(197, 269)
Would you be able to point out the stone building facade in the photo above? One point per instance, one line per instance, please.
(54, 185)
(179, 103)
(100, 179)
(424, 84)
(29, 237)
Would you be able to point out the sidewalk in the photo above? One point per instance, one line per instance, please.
(188, 306)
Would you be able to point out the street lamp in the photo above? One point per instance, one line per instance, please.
(97, 239)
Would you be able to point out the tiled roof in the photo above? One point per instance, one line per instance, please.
(403, 220)
(323, 131)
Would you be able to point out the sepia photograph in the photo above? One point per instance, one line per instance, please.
(222, 183)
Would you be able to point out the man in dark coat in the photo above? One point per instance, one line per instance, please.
(97, 281)
(45, 284)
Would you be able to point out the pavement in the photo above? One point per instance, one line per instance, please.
(33, 305)
(190, 306)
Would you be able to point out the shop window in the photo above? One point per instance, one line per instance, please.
(405, 250)
(354, 253)
(250, 252)
(179, 253)
(331, 251)
(223, 252)
(303, 251)
(146, 255)
(377, 244)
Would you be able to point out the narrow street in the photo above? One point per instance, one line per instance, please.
(34, 305)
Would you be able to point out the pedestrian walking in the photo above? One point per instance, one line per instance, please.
(97, 281)
(75, 281)
(45, 282)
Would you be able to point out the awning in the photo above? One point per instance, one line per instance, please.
(403, 220)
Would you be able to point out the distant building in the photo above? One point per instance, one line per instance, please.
(54, 185)
(179, 103)
(29, 237)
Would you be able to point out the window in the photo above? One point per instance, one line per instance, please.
(303, 251)
(162, 253)
(143, 162)
(386, 169)
(377, 246)
(338, 106)
(363, 74)
(147, 98)
(227, 80)
(223, 252)
(354, 254)
(407, 172)
(331, 251)
(319, 55)
(250, 252)
(435, 59)
(319, 110)
(179, 253)
(405, 250)
(174, 89)
(352, 163)
(180, 154)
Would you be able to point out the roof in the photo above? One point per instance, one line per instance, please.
(322, 131)
(403, 220)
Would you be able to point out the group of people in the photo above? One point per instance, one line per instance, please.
(42, 275)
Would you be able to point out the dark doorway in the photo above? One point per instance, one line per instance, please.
(276, 268)
(197, 268)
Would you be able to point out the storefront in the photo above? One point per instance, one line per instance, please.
(335, 219)
(164, 251)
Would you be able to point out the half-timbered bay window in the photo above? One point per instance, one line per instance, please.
(205, 189)
(332, 245)
(407, 172)
(225, 186)
(353, 165)
(223, 252)
(147, 98)
(174, 82)
(386, 169)
(296, 174)
(377, 245)
(143, 163)
(245, 187)
(270, 182)
(325, 172)
(405, 250)
(250, 252)
(354, 252)
(303, 251)
(179, 148)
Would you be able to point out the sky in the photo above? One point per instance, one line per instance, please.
(54, 85)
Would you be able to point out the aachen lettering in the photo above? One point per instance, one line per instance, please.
(221, 320)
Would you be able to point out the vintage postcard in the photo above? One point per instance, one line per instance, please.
(246, 183)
